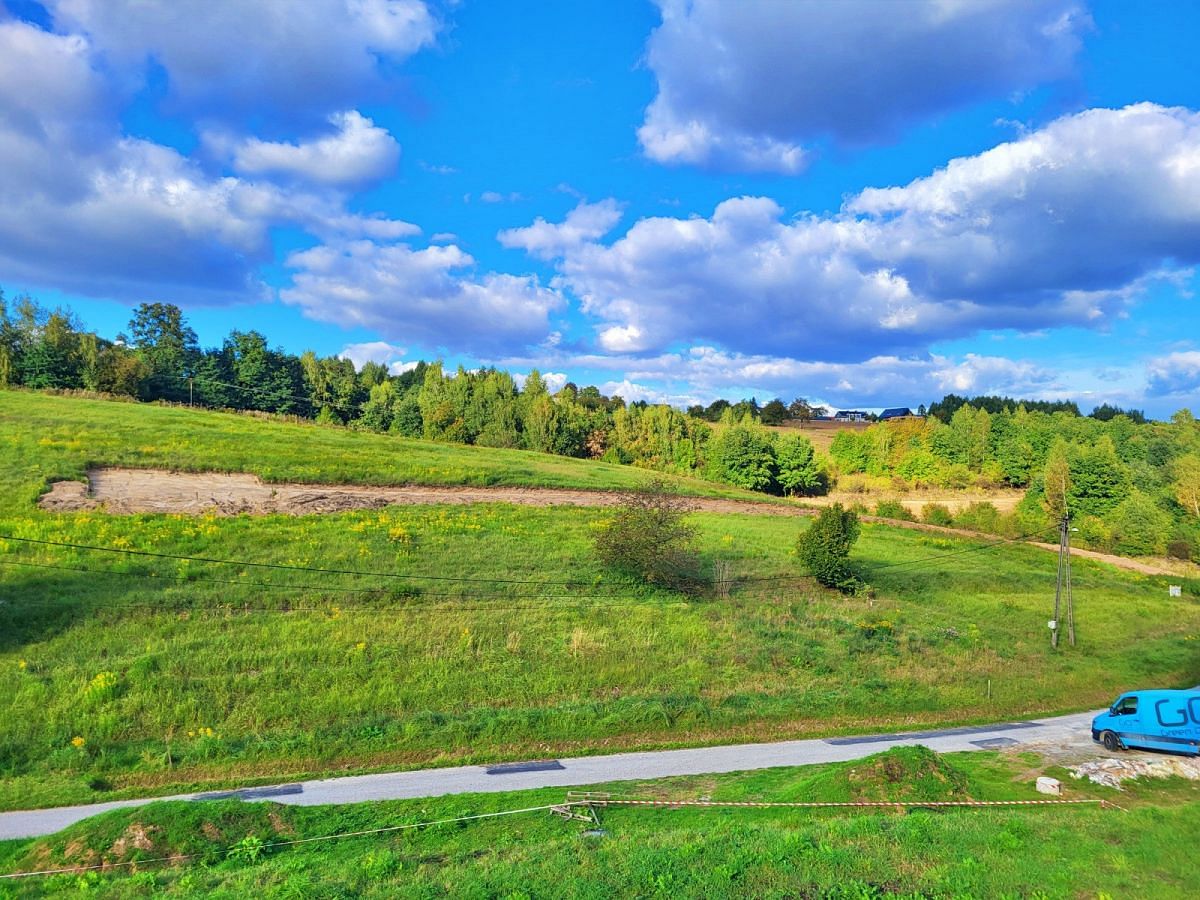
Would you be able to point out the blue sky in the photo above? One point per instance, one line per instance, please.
(863, 203)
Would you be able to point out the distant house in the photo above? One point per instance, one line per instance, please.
(851, 415)
(898, 412)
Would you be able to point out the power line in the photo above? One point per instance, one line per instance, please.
(171, 581)
(458, 578)
(912, 562)
(283, 566)
(346, 406)
(980, 549)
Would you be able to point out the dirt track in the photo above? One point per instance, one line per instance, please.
(125, 491)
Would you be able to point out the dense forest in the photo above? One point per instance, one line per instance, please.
(1128, 484)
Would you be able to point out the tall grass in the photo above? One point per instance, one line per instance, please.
(155, 678)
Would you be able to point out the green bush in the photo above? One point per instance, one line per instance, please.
(824, 549)
(893, 509)
(648, 538)
(1140, 528)
(744, 456)
(956, 476)
(936, 514)
(1180, 548)
(980, 517)
(1093, 533)
(799, 472)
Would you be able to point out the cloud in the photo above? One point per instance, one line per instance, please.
(1064, 226)
(372, 351)
(420, 296)
(976, 374)
(271, 58)
(753, 85)
(631, 392)
(83, 207)
(1174, 375)
(86, 208)
(360, 152)
(554, 381)
(701, 374)
(497, 197)
(586, 222)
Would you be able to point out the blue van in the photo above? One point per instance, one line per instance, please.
(1152, 720)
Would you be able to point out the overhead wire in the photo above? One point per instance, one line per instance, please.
(285, 566)
(175, 581)
(344, 405)
(459, 578)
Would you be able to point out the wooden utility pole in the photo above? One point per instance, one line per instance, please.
(1064, 583)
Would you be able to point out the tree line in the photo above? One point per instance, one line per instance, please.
(1130, 484)
(160, 359)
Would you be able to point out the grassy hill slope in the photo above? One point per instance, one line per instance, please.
(126, 675)
(47, 437)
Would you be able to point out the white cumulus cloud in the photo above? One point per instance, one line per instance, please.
(273, 58)
(751, 85)
(1063, 226)
(372, 351)
(360, 152)
(428, 296)
(86, 208)
(1175, 375)
(586, 222)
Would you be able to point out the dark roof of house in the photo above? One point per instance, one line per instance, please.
(895, 412)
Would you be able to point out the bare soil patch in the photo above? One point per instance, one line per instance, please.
(126, 491)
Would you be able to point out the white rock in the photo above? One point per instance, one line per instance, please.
(1049, 786)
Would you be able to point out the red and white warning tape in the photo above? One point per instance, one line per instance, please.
(621, 801)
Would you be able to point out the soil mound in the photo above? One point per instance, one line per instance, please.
(903, 774)
(170, 830)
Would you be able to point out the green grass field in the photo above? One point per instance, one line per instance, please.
(51, 437)
(1140, 850)
(148, 678)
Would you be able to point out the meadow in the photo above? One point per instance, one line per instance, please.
(50, 437)
(126, 675)
(1069, 851)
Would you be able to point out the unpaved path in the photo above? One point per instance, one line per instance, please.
(126, 491)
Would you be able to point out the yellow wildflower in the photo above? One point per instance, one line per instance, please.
(77, 742)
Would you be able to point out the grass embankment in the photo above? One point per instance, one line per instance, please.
(153, 680)
(1068, 851)
(46, 437)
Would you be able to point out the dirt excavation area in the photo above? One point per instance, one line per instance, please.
(125, 491)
